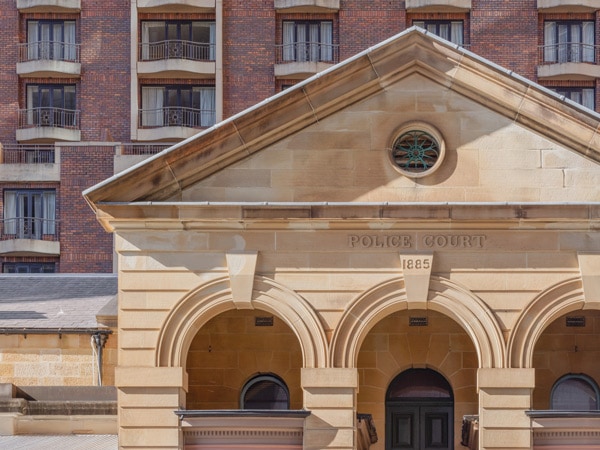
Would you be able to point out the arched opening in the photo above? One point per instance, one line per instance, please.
(419, 408)
(569, 345)
(265, 392)
(237, 346)
(575, 392)
(417, 339)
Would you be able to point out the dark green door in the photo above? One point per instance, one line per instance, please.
(419, 412)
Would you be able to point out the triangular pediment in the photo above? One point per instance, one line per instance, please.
(328, 139)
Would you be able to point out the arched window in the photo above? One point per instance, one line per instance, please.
(575, 392)
(265, 392)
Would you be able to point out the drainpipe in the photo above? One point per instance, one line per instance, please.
(99, 341)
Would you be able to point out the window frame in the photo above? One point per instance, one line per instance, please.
(63, 115)
(63, 48)
(574, 376)
(568, 92)
(298, 48)
(274, 379)
(41, 207)
(42, 266)
(164, 113)
(177, 48)
(428, 24)
(558, 52)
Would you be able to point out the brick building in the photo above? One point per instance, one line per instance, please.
(90, 88)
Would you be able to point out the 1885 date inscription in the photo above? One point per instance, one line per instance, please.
(410, 241)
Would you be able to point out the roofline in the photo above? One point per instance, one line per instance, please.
(168, 179)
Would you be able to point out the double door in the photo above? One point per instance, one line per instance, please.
(419, 426)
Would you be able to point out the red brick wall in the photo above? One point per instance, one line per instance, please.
(85, 246)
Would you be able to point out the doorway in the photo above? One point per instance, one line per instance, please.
(419, 412)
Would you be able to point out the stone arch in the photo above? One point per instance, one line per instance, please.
(214, 297)
(444, 296)
(552, 303)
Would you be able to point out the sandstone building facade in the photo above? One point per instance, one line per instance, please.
(410, 235)
(90, 88)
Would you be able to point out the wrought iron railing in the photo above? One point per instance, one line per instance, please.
(48, 117)
(29, 228)
(176, 116)
(49, 50)
(27, 154)
(176, 49)
(566, 52)
(307, 52)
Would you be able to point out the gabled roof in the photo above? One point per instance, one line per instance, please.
(167, 174)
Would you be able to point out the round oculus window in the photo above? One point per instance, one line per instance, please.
(417, 151)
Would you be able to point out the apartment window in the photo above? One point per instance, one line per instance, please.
(185, 106)
(308, 41)
(451, 30)
(265, 392)
(569, 41)
(51, 39)
(178, 40)
(29, 268)
(583, 96)
(29, 214)
(51, 105)
(575, 392)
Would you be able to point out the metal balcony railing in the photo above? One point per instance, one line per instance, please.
(27, 154)
(49, 50)
(29, 228)
(569, 52)
(176, 116)
(48, 117)
(307, 52)
(141, 149)
(176, 49)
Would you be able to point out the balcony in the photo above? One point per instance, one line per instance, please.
(438, 5)
(180, 6)
(172, 123)
(48, 6)
(48, 124)
(49, 59)
(29, 236)
(29, 163)
(554, 429)
(310, 6)
(558, 6)
(303, 59)
(569, 61)
(127, 155)
(177, 59)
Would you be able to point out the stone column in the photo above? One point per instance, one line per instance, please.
(330, 396)
(504, 396)
(148, 397)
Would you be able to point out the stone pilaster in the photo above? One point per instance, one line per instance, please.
(504, 396)
(148, 397)
(330, 396)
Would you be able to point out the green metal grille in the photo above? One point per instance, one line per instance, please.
(415, 151)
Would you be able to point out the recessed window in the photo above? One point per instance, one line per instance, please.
(575, 392)
(310, 40)
(51, 40)
(584, 96)
(569, 41)
(194, 40)
(29, 214)
(417, 150)
(178, 106)
(265, 392)
(451, 30)
(51, 105)
(29, 267)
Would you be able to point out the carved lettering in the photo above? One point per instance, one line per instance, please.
(379, 241)
(459, 241)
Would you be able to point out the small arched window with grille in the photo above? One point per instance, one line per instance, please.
(575, 392)
(265, 391)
